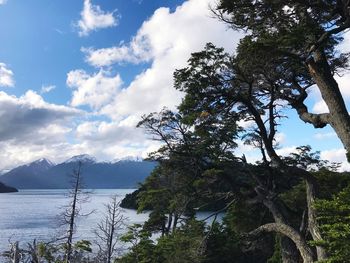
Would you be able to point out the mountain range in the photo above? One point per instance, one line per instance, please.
(43, 174)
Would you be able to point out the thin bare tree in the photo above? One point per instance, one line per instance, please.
(77, 196)
(108, 230)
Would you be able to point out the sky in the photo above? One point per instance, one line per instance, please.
(76, 76)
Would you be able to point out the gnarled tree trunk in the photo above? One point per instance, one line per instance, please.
(339, 117)
(299, 241)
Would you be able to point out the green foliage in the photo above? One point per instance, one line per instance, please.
(47, 252)
(185, 245)
(191, 242)
(254, 215)
(334, 216)
(295, 24)
(142, 246)
(222, 245)
(83, 246)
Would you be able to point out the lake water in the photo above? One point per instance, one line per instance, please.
(33, 214)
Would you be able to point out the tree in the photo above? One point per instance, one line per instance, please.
(218, 84)
(174, 188)
(289, 47)
(301, 37)
(108, 230)
(73, 210)
(334, 215)
(142, 247)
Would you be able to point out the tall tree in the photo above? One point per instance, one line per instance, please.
(302, 36)
(217, 84)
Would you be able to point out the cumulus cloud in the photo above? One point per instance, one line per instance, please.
(3, 2)
(93, 18)
(112, 140)
(108, 56)
(167, 47)
(181, 32)
(106, 132)
(23, 118)
(95, 90)
(31, 128)
(6, 76)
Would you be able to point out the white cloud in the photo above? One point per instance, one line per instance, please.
(95, 90)
(338, 156)
(23, 118)
(112, 140)
(31, 128)
(285, 151)
(168, 47)
(320, 107)
(93, 18)
(108, 56)
(166, 40)
(6, 76)
(3, 2)
(47, 88)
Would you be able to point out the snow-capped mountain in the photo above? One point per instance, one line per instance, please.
(33, 170)
(84, 158)
(43, 163)
(43, 174)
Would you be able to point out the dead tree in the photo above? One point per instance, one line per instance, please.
(73, 210)
(108, 230)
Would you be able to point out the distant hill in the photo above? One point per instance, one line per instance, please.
(7, 189)
(43, 174)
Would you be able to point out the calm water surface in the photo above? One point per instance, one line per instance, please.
(33, 214)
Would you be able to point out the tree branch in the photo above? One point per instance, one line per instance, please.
(305, 251)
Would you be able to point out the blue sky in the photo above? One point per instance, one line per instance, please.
(41, 43)
(75, 76)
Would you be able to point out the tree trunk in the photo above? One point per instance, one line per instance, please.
(312, 223)
(339, 116)
(289, 252)
(110, 238)
(299, 241)
(72, 217)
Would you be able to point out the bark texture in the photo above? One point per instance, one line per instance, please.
(339, 117)
(299, 241)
